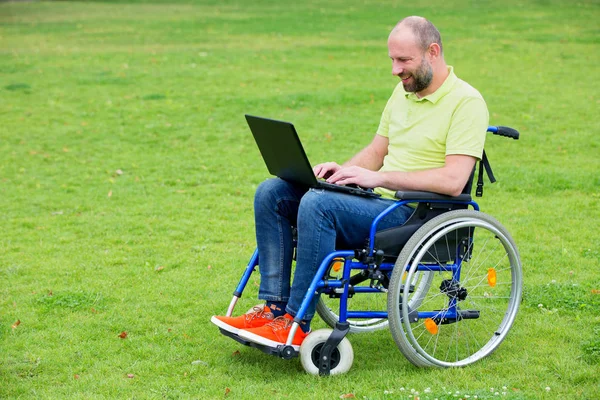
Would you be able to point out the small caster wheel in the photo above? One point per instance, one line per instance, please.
(310, 353)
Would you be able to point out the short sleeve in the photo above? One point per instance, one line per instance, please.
(468, 127)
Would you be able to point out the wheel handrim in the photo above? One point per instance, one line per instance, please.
(414, 334)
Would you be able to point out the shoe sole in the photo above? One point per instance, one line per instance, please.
(261, 340)
(224, 326)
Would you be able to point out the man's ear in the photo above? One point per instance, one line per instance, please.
(434, 50)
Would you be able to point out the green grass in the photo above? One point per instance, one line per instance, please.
(127, 174)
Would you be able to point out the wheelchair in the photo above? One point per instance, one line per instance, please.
(447, 283)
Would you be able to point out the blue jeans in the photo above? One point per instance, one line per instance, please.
(325, 221)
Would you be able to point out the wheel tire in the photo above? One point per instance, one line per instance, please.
(484, 245)
(395, 303)
(342, 356)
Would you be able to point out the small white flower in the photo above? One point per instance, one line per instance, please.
(547, 388)
(503, 387)
(427, 390)
(540, 305)
(402, 389)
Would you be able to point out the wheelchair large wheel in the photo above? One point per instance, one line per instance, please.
(327, 307)
(473, 297)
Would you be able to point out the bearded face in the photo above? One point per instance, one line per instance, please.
(419, 79)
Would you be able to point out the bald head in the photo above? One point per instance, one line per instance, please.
(415, 48)
(424, 32)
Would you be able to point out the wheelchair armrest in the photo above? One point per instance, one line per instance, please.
(415, 195)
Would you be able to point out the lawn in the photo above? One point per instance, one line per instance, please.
(127, 173)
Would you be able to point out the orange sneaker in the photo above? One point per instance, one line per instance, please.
(254, 319)
(274, 333)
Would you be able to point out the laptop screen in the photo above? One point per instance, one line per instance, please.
(281, 150)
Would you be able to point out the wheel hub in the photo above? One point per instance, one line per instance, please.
(316, 356)
(451, 288)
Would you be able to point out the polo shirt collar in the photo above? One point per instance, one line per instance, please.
(440, 92)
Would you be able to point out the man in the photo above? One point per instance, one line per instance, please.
(431, 134)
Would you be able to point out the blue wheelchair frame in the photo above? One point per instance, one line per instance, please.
(321, 284)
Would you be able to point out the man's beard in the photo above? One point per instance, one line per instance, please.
(421, 78)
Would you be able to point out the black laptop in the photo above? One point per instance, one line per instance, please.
(284, 155)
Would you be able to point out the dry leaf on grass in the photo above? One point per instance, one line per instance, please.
(123, 335)
(348, 396)
(130, 376)
(17, 323)
(227, 390)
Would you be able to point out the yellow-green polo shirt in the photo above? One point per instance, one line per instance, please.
(423, 131)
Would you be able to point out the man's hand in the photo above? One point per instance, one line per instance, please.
(356, 175)
(325, 170)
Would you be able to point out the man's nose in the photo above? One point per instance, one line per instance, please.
(396, 69)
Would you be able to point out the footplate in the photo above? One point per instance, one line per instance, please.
(283, 351)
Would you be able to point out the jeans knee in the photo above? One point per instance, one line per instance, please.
(267, 190)
(313, 203)
(271, 193)
(263, 189)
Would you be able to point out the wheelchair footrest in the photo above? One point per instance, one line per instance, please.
(286, 352)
